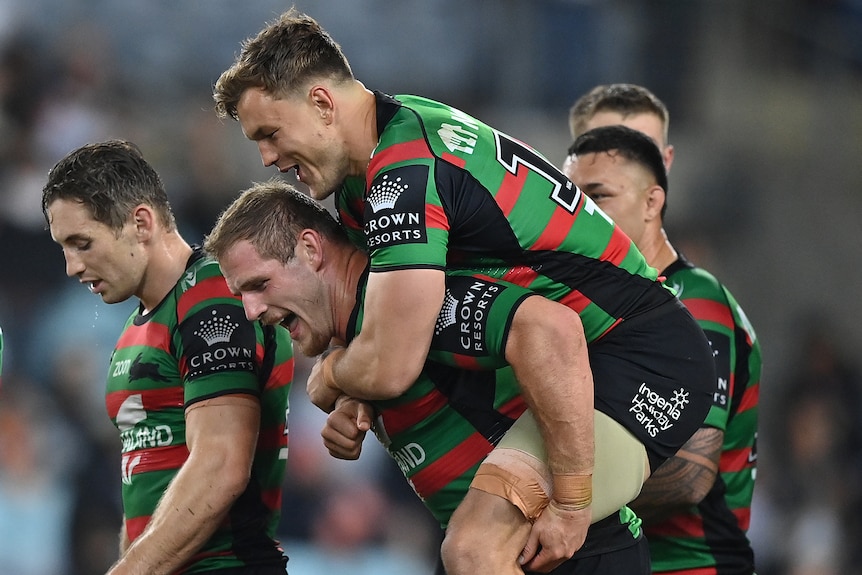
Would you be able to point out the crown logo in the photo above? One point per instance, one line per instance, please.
(386, 193)
(216, 329)
(448, 313)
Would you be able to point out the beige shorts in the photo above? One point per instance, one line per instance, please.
(517, 468)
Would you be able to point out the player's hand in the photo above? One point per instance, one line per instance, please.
(556, 535)
(346, 426)
(320, 387)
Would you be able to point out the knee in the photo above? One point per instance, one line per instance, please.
(461, 554)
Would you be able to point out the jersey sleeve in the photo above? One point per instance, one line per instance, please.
(218, 345)
(474, 322)
(405, 223)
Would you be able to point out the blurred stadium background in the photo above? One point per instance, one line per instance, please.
(766, 192)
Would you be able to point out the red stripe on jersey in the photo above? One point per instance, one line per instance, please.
(272, 498)
(618, 247)
(709, 310)
(357, 206)
(749, 398)
(513, 408)
(157, 458)
(521, 276)
(696, 571)
(575, 300)
(281, 375)
(214, 287)
(443, 471)
(151, 399)
(135, 526)
(743, 516)
(399, 418)
(510, 190)
(435, 217)
(735, 460)
(455, 160)
(678, 526)
(150, 334)
(466, 362)
(555, 231)
(412, 150)
(272, 438)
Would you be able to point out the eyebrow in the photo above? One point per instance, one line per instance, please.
(587, 188)
(74, 238)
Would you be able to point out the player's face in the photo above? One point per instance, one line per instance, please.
(112, 265)
(648, 124)
(618, 186)
(291, 295)
(292, 134)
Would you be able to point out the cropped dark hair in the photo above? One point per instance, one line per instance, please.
(110, 179)
(631, 144)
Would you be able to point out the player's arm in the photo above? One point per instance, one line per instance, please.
(221, 434)
(547, 350)
(683, 480)
(387, 356)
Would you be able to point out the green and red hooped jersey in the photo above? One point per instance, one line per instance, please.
(711, 537)
(195, 345)
(444, 190)
(444, 426)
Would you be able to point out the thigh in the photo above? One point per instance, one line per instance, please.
(492, 522)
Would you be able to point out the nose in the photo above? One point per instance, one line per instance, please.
(267, 153)
(253, 307)
(74, 265)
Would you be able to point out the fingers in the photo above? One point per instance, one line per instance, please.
(341, 436)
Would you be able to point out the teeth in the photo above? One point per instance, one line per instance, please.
(91, 286)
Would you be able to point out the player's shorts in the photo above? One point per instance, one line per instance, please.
(614, 546)
(517, 470)
(655, 375)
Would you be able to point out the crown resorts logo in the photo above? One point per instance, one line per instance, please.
(216, 329)
(384, 194)
(448, 313)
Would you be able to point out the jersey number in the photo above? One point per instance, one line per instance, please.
(511, 153)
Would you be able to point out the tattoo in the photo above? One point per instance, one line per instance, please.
(683, 480)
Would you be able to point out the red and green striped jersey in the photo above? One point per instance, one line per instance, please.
(444, 426)
(444, 190)
(710, 538)
(195, 345)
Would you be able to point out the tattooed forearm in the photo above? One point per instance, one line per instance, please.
(682, 480)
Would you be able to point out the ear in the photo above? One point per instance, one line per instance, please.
(655, 198)
(667, 156)
(145, 221)
(323, 102)
(310, 248)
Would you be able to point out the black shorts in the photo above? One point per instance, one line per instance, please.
(655, 375)
(610, 549)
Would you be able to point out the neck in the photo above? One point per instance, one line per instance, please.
(362, 136)
(658, 250)
(166, 265)
(350, 265)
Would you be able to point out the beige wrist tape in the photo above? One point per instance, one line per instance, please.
(572, 491)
